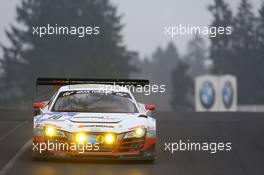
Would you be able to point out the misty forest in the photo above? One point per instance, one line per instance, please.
(106, 55)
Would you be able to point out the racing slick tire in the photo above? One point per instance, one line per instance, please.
(40, 156)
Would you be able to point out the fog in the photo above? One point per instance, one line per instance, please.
(144, 20)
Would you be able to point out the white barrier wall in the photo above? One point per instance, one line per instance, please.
(215, 93)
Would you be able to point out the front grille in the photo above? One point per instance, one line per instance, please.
(120, 145)
(103, 147)
(131, 144)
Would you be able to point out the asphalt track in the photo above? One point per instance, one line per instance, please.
(244, 130)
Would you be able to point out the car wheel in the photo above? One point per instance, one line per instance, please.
(39, 156)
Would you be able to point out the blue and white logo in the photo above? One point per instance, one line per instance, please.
(228, 94)
(207, 95)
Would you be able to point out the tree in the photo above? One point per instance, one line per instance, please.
(259, 54)
(220, 45)
(244, 54)
(240, 54)
(158, 70)
(182, 93)
(196, 56)
(164, 61)
(94, 56)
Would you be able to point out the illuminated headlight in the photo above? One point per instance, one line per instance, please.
(81, 138)
(109, 138)
(137, 133)
(140, 132)
(50, 131)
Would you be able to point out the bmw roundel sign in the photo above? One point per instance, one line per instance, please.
(207, 94)
(215, 93)
(227, 94)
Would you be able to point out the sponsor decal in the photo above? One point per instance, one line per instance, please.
(55, 116)
(207, 95)
(97, 126)
(96, 117)
(68, 93)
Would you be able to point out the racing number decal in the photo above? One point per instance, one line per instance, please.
(55, 117)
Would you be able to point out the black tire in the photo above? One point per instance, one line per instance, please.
(149, 161)
(39, 156)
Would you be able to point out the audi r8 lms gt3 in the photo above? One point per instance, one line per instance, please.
(82, 120)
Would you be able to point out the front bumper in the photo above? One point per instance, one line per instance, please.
(143, 148)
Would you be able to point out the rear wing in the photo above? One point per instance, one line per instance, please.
(69, 81)
(46, 87)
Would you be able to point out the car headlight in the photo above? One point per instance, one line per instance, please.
(50, 131)
(81, 138)
(109, 138)
(137, 133)
(140, 132)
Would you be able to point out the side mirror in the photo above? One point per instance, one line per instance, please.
(150, 107)
(39, 105)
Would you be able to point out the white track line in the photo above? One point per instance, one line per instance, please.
(12, 161)
(12, 130)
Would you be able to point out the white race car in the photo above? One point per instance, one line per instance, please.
(98, 119)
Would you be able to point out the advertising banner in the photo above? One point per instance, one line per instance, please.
(215, 93)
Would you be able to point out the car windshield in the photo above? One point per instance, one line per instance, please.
(94, 101)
